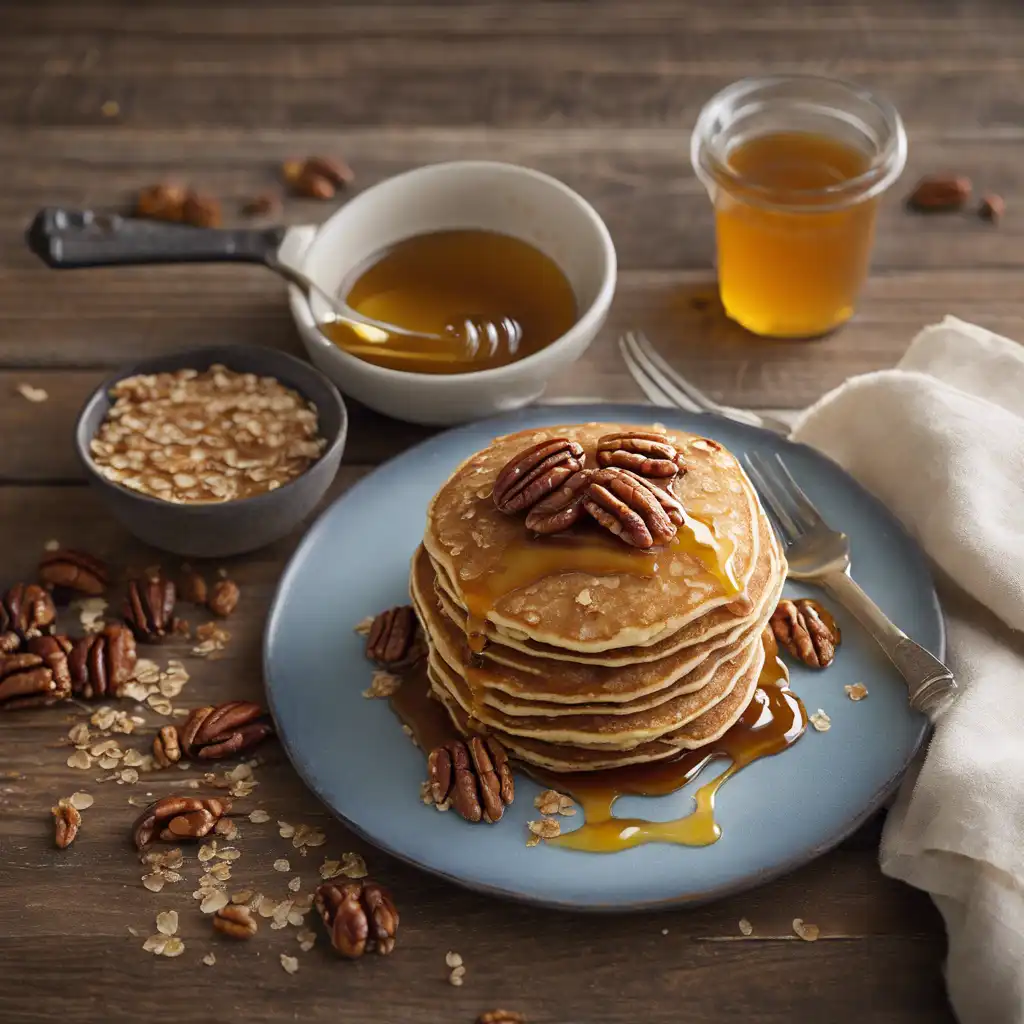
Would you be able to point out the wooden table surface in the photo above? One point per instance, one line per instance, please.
(603, 95)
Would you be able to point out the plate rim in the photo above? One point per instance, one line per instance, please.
(617, 411)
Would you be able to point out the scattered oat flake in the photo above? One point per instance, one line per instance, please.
(80, 801)
(820, 721)
(382, 684)
(308, 835)
(207, 851)
(226, 828)
(746, 928)
(806, 931)
(167, 922)
(80, 759)
(281, 864)
(229, 853)
(289, 963)
(52, 545)
(306, 939)
(210, 959)
(295, 884)
(858, 691)
(553, 802)
(32, 394)
(284, 830)
(453, 959)
(133, 759)
(155, 944)
(425, 792)
(546, 828)
(174, 947)
(154, 882)
(129, 775)
(362, 627)
(110, 108)
(258, 817)
(664, 931)
(457, 976)
(146, 672)
(214, 901)
(79, 734)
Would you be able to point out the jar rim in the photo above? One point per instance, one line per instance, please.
(886, 165)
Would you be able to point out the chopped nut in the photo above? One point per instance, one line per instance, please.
(820, 721)
(553, 802)
(67, 821)
(193, 586)
(223, 598)
(806, 931)
(858, 691)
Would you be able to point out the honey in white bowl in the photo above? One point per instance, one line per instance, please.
(430, 282)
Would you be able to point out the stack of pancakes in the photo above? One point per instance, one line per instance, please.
(577, 651)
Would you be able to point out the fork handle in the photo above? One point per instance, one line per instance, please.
(931, 683)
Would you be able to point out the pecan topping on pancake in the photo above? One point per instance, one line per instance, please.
(560, 509)
(641, 451)
(535, 473)
(635, 510)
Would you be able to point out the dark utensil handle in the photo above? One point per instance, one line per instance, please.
(66, 239)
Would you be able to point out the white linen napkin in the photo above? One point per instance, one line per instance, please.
(940, 440)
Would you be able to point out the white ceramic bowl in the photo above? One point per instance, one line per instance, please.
(465, 194)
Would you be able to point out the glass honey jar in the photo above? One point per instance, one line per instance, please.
(794, 166)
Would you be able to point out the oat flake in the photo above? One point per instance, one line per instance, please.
(213, 902)
(289, 963)
(32, 394)
(858, 691)
(210, 959)
(80, 759)
(307, 940)
(295, 884)
(153, 882)
(281, 864)
(453, 959)
(806, 931)
(746, 928)
(81, 801)
(820, 721)
(258, 817)
(167, 922)
(362, 627)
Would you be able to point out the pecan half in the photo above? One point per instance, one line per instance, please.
(54, 651)
(149, 607)
(561, 508)
(164, 201)
(74, 570)
(223, 598)
(635, 510)
(101, 663)
(175, 818)
(474, 777)
(535, 473)
(211, 733)
(166, 748)
(359, 917)
(643, 452)
(26, 681)
(201, 210)
(236, 921)
(193, 586)
(26, 610)
(805, 633)
(393, 640)
(940, 192)
(67, 820)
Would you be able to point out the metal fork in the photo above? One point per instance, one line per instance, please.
(665, 386)
(821, 555)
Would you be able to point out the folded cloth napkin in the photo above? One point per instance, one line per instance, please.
(940, 440)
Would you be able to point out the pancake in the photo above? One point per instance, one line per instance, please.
(540, 588)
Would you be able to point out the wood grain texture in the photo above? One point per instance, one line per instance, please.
(603, 95)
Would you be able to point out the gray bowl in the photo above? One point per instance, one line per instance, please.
(234, 527)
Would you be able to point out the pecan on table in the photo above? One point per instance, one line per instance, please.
(635, 510)
(359, 917)
(54, 650)
(808, 636)
(473, 776)
(164, 201)
(175, 818)
(940, 192)
(211, 733)
(394, 640)
(642, 451)
(193, 586)
(166, 747)
(26, 610)
(27, 681)
(535, 473)
(223, 598)
(562, 507)
(236, 921)
(67, 820)
(149, 608)
(101, 663)
(76, 571)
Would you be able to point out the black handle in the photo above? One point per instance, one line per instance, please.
(66, 239)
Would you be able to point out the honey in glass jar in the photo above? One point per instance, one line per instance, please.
(794, 166)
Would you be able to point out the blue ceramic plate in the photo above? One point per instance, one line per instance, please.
(775, 815)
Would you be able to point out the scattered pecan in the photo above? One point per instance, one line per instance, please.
(535, 473)
(223, 598)
(26, 681)
(940, 192)
(635, 510)
(500, 1017)
(473, 776)
(74, 570)
(316, 177)
(164, 201)
(265, 204)
(644, 452)
(805, 633)
(101, 663)
(67, 820)
(393, 640)
(149, 607)
(201, 211)
(358, 916)
(175, 818)
(991, 208)
(26, 610)
(166, 748)
(562, 507)
(193, 586)
(236, 921)
(211, 733)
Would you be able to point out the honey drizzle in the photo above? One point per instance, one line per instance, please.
(773, 721)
